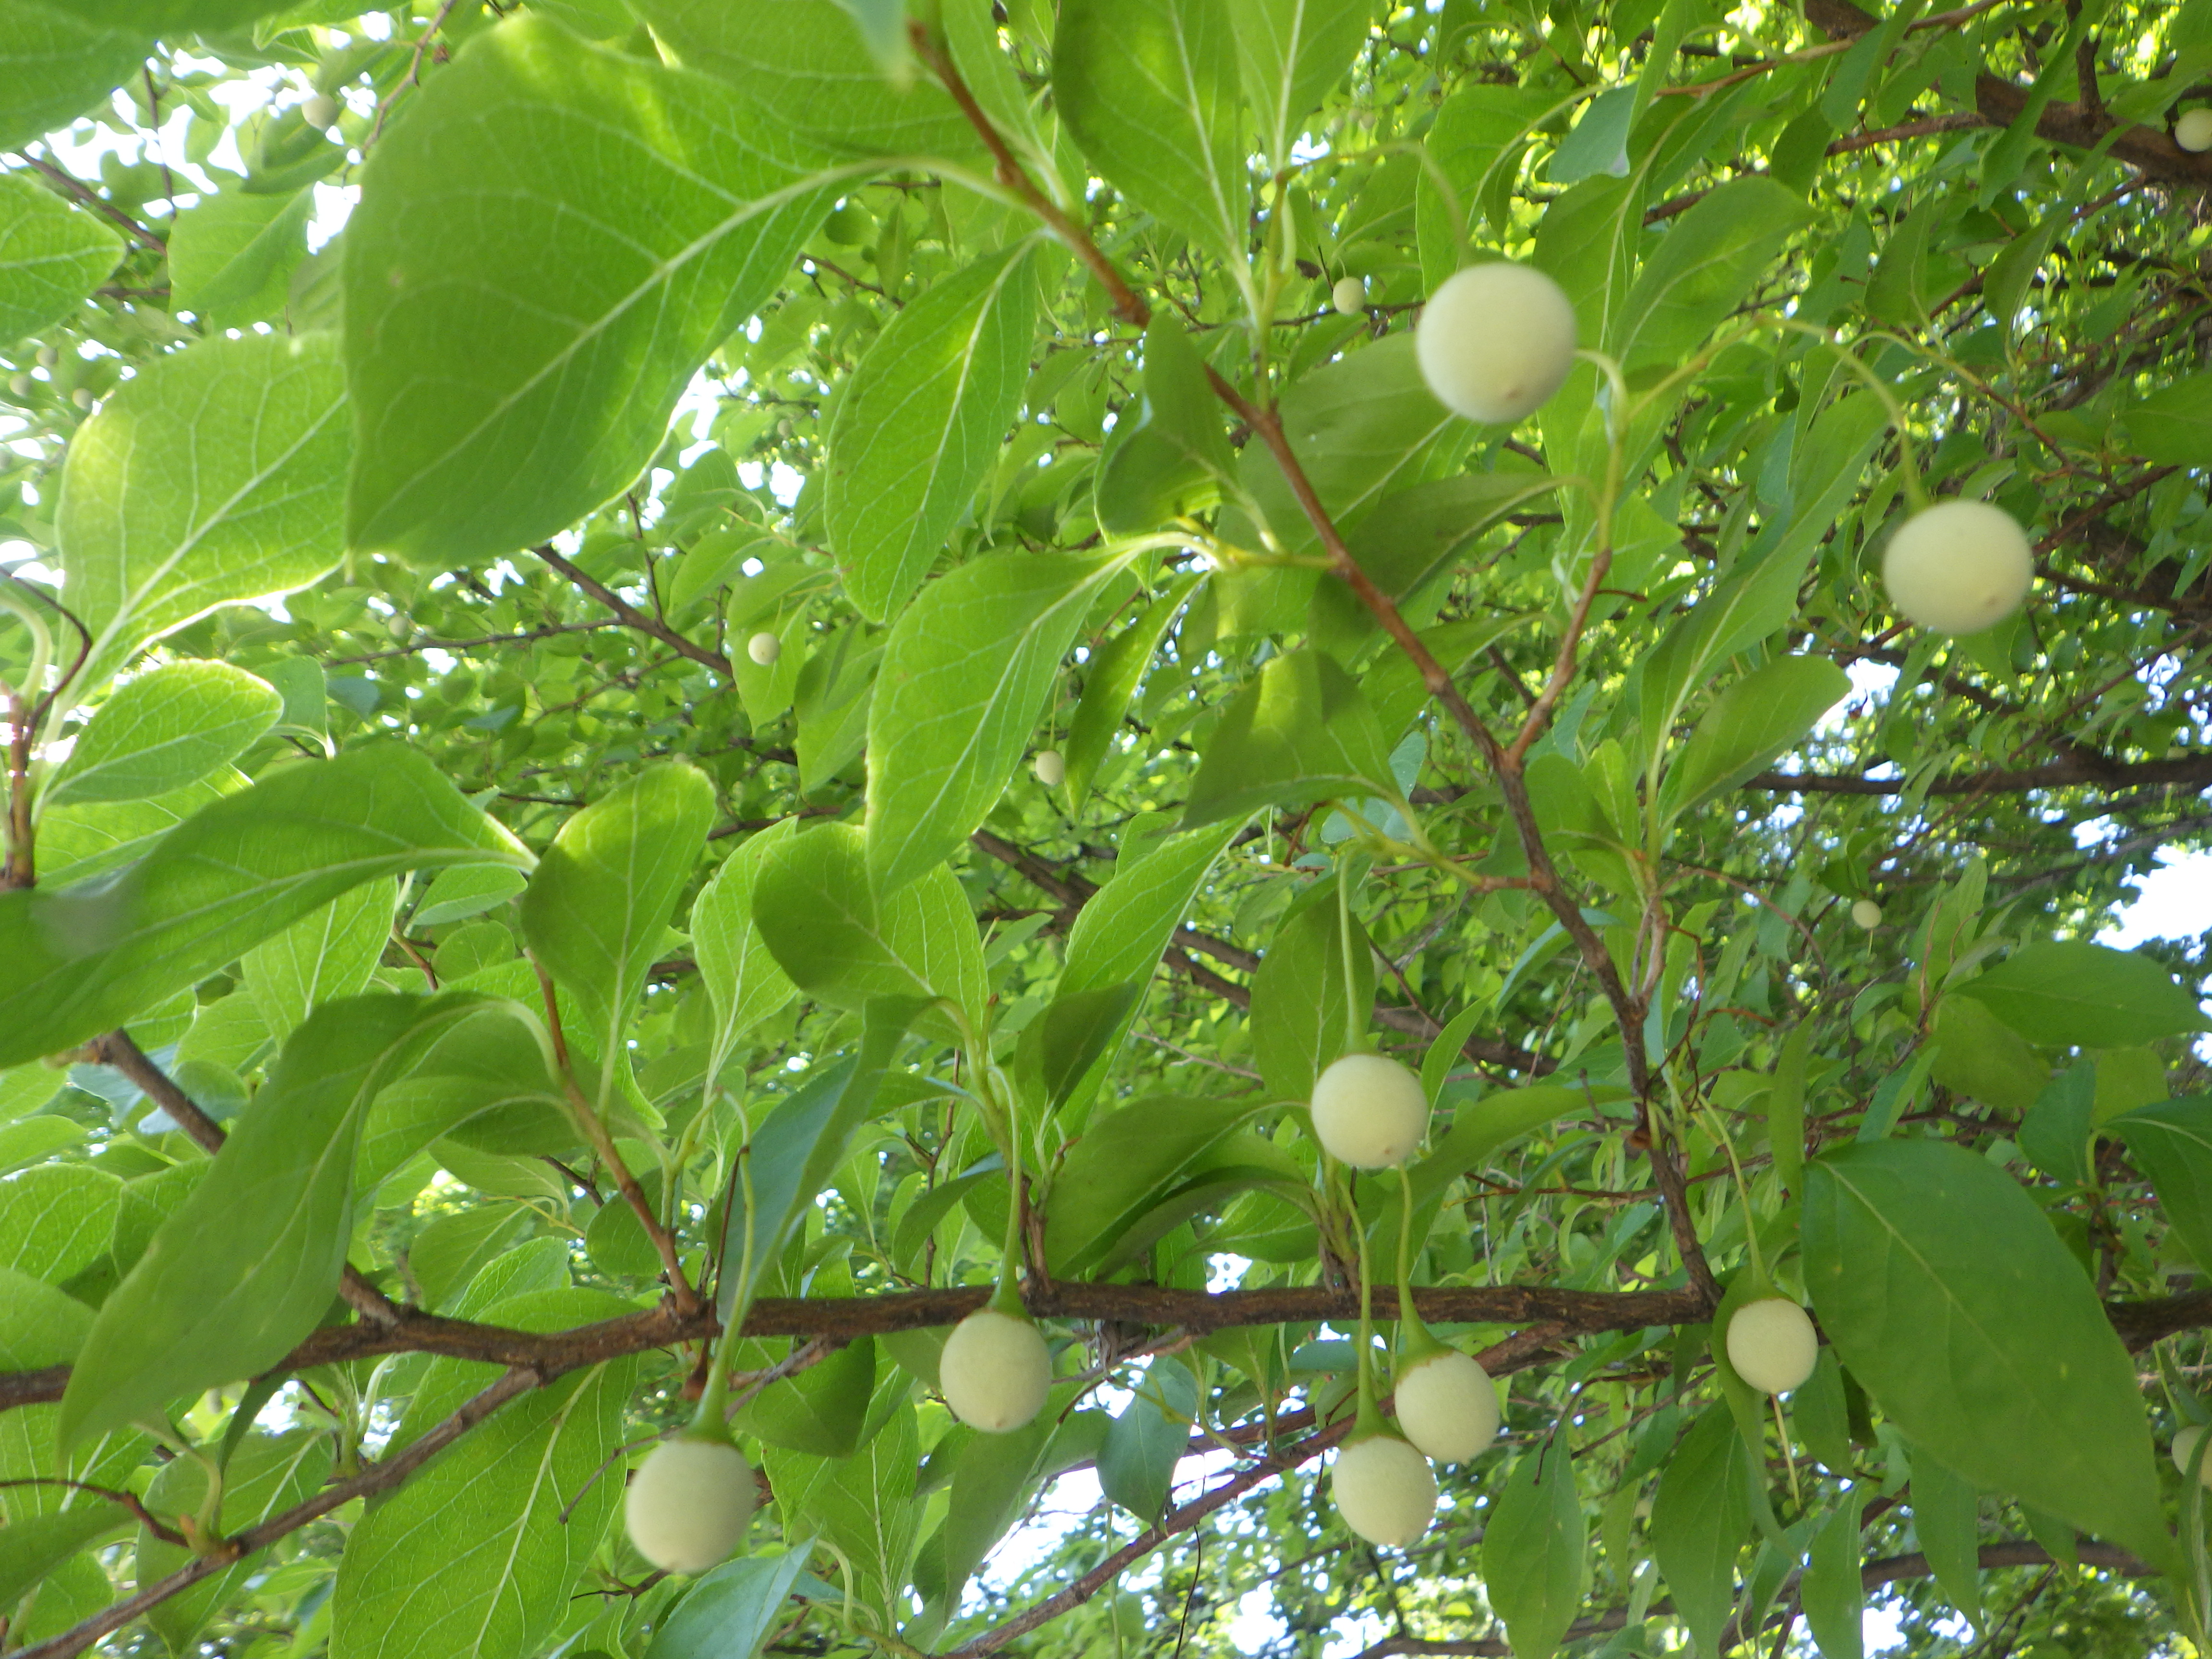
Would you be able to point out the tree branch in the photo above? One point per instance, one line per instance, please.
(634, 618)
(2191, 772)
(120, 1050)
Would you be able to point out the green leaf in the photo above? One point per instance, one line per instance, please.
(601, 901)
(806, 67)
(966, 674)
(475, 1556)
(1168, 456)
(729, 1611)
(2172, 426)
(656, 218)
(467, 889)
(2070, 992)
(1299, 733)
(1946, 1520)
(1299, 994)
(56, 61)
(1832, 1591)
(84, 958)
(34, 1546)
(51, 255)
(863, 1507)
(327, 954)
(169, 727)
(1293, 53)
(920, 425)
(1126, 1162)
(1116, 669)
(1977, 1055)
(211, 477)
(231, 256)
(821, 1409)
(795, 1150)
(1480, 1127)
(1148, 87)
(1078, 1030)
(739, 969)
(1951, 1298)
(57, 1220)
(827, 930)
(247, 1265)
(1598, 143)
(1703, 268)
(1785, 1107)
(2172, 1142)
(988, 1485)
(1137, 1464)
(1698, 1523)
(1359, 427)
(1532, 1552)
(268, 1473)
(1756, 721)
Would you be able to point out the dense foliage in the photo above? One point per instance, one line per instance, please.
(693, 684)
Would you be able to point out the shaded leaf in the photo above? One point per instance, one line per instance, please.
(1532, 1552)
(1300, 732)
(2069, 992)
(51, 255)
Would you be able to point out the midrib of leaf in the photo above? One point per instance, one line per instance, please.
(970, 349)
(134, 599)
(542, 1478)
(1960, 1313)
(661, 272)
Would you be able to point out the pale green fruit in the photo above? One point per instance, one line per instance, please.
(1866, 914)
(1051, 768)
(2193, 130)
(1496, 341)
(994, 1371)
(688, 1503)
(1773, 1345)
(764, 648)
(1349, 296)
(1385, 1490)
(82, 398)
(2185, 1452)
(1957, 567)
(321, 111)
(1447, 1406)
(1369, 1112)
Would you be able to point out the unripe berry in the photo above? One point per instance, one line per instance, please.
(2185, 1452)
(1349, 296)
(1385, 1490)
(994, 1371)
(321, 111)
(1447, 1406)
(1957, 567)
(1866, 914)
(764, 648)
(82, 398)
(48, 357)
(688, 1503)
(1773, 1345)
(2193, 130)
(1496, 341)
(1051, 768)
(1369, 1112)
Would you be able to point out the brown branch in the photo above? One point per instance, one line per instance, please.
(523, 638)
(2190, 772)
(121, 1051)
(634, 618)
(99, 204)
(379, 1477)
(2149, 149)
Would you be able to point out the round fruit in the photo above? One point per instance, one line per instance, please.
(2185, 1452)
(1496, 341)
(48, 357)
(1385, 1490)
(1773, 1345)
(1866, 914)
(1051, 768)
(688, 1505)
(321, 111)
(764, 648)
(1349, 296)
(994, 1371)
(1447, 1406)
(1369, 1112)
(2193, 130)
(82, 398)
(1957, 567)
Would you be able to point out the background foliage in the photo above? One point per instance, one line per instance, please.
(402, 501)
